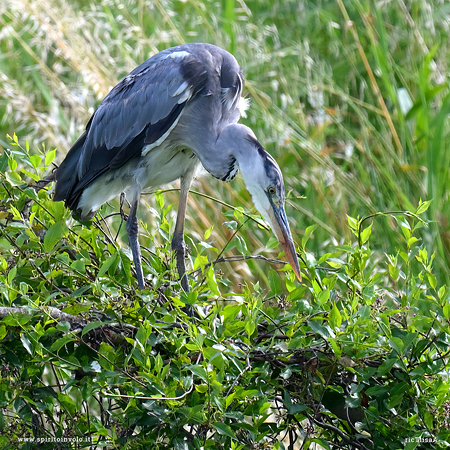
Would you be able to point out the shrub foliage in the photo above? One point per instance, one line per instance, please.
(355, 356)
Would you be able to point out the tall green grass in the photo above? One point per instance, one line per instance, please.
(351, 99)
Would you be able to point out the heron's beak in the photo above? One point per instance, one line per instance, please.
(280, 227)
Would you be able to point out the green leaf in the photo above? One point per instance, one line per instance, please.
(17, 320)
(78, 293)
(423, 206)
(60, 343)
(323, 443)
(292, 408)
(27, 344)
(376, 391)
(199, 371)
(159, 196)
(107, 264)
(446, 310)
(238, 214)
(412, 240)
(224, 429)
(353, 223)
(411, 445)
(241, 245)
(432, 280)
(394, 272)
(16, 216)
(429, 419)
(33, 176)
(366, 234)
(309, 230)
(250, 326)
(14, 178)
(53, 235)
(90, 326)
(335, 317)
(231, 311)
(275, 282)
(407, 340)
(272, 242)
(397, 344)
(214, 357)
(50, 156)
(212, 282)
(323, 296)
(200, 262)
(311, 261)
(35, 160)
(232, 225)
(12, 274)
(208, 232)
(324, 331)
(202, 388)
(12, 164)
(63, 326)
(230, 399)
(141, 336)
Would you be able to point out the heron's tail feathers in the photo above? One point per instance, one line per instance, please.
(67, 174)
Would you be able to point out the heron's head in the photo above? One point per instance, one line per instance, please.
(264, 181)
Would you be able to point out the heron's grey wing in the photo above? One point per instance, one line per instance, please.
(141, 109)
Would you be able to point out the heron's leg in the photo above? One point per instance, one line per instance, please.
(178, 244)
(132, 230)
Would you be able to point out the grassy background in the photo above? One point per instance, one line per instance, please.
(350, 97)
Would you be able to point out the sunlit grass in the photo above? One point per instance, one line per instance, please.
(331, 87)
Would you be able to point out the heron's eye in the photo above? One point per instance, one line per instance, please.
(271, 190)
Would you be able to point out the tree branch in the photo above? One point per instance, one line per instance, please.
(54, 313)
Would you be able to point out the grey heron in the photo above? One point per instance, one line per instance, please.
(177, 110)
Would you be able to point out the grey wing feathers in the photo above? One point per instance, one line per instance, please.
(143, 99)
(137, 112)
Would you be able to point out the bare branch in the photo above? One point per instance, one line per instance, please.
(54, 313)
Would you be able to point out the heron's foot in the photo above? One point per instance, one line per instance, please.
(122, 202)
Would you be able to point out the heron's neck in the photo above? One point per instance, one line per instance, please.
(230, 152)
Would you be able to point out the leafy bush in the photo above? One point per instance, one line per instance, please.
(352, 100)
(355, 357)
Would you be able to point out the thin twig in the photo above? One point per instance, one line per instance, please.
(247, 367)
(138, 397)
(337, 431)
(238, 258)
